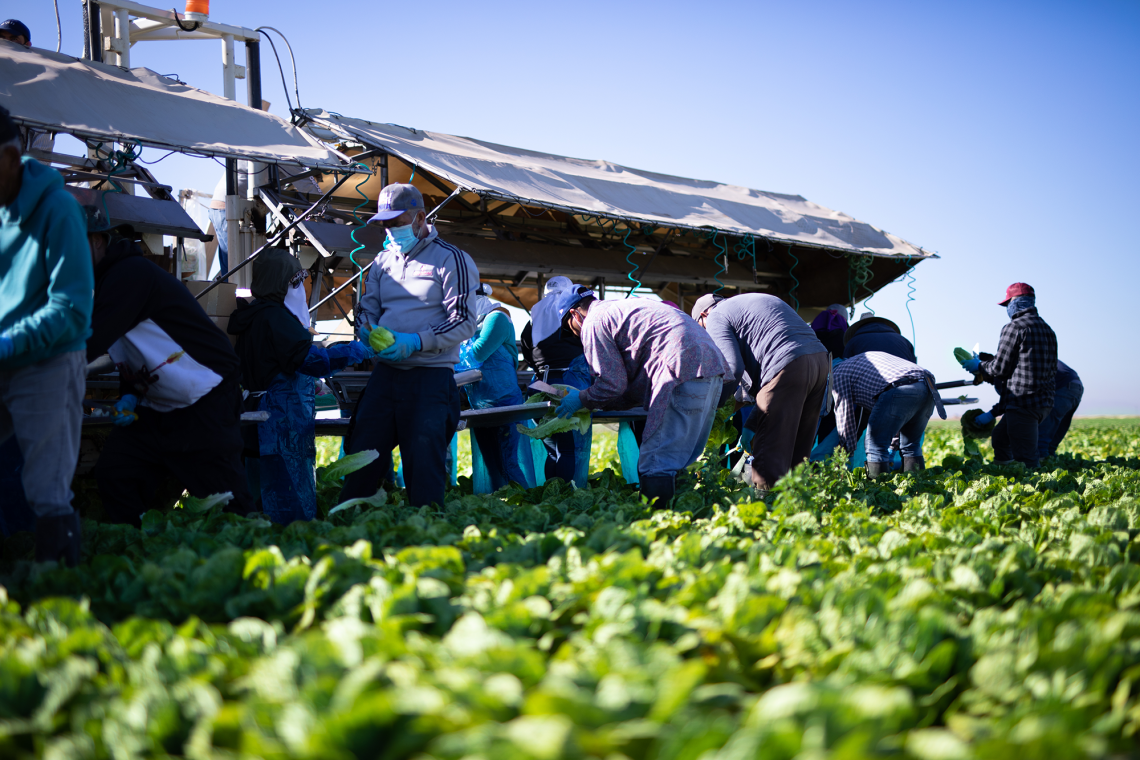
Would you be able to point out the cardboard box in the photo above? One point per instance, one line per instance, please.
(219, 302)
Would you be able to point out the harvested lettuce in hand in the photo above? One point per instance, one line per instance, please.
(579, 422)
(381, 338)
(962, 355)
(552, 424)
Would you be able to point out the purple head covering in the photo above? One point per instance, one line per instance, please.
(830, 320)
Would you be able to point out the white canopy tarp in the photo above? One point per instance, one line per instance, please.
(92, 100)
(614, 191)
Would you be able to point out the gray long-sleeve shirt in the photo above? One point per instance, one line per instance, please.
(428, 292)
(759, 335)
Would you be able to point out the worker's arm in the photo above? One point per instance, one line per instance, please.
(526, 345)
(67, 258)
(1001, 367)
(460, 278)
(121, 302)
(605, 362)
(846, 413)
(497, 329)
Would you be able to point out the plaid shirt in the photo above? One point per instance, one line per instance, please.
(858, 381)
(1026, 362)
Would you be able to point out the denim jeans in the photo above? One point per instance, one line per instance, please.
(568, 454)
(221, 228)
(903, 411)
(684, 431)
(1054, 427)
(1015, 437)
(42, 406)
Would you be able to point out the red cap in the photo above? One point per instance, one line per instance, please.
(1015, 290)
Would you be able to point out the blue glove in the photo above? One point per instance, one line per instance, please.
(366, 332)
(7, 347)
(406, 344)
(746, 440)
(570, 403)
(125, 410)
(984, 418)
(971, 365)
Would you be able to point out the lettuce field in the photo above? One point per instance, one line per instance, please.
(968, 611)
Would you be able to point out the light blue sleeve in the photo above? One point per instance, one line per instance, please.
(66, 316)
(497, 329)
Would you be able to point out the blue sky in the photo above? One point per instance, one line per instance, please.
(1001, 135)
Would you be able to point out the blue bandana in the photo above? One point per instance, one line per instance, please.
(1020, 304)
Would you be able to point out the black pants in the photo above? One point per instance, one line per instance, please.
(198, 447)
(1015, 436)
(416, 409)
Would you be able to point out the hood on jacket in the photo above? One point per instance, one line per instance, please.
(118, 250)
(36, 181)
(871, 324)
(273, 272)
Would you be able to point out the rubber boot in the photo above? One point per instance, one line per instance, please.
(913, 464)
(58, 538)
(658, 489)
(878, 469)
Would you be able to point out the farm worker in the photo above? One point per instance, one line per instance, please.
(1026, 363)
(871, 333)
(555, 353)
(16, 31)
(1066, 399)
(782, 369)
(179, 414)
(644, 353)
(900, 396)
(420, 288)
(829, 326)
(279, 369)
(492, 350)
(45, 318)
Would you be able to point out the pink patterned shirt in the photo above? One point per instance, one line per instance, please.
(639, 350)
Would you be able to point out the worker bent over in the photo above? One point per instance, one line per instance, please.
(647, 353)
(782, 368)
(420, 288)
(45, 316)
(178, 375)
(900, 396)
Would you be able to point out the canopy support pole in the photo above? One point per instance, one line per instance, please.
(277, 238)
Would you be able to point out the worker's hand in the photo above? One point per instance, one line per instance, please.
(983, 419)
(354, 352)
(745, 442)
(971, 364)
(7, 347)
(366, 332)
(125, 410)
(570, 403)
(406, 344)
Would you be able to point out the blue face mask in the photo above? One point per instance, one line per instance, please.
(401, 239)
(1020, 304)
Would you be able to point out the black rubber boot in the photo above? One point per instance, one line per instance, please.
(58, 538)
(913, 464)
(878, 469)
(658, 489)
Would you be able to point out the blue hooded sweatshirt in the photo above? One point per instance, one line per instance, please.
(46, 278)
